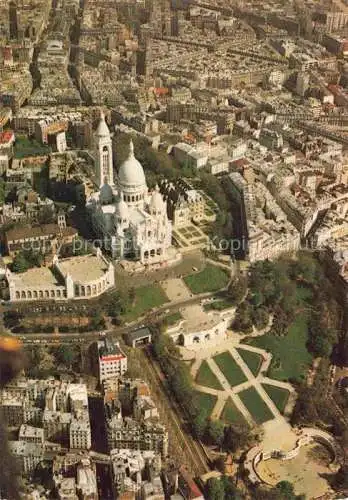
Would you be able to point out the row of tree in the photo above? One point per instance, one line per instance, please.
(43, 362)
(213, 432)
(314, 408)
(224, 489)
(285, 288)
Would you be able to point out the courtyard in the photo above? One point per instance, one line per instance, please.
(306, 471)
(190, 237)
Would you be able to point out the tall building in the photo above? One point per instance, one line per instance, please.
(112, 361)
(302, 83)
(104, 154)
(13, 20)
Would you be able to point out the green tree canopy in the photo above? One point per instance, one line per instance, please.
(237, 289)
(216, 431)
(200, 423)
(215, 489)
(20, 264)
(65, 354)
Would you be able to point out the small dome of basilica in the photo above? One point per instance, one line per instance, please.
(157, 202)
(122, 209)
(131, 172)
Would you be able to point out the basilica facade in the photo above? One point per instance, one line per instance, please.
(131, 221)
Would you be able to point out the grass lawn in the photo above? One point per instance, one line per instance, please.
(252, 359)
(211, 279)
(146, 297)
(290, 356)
(207, 378)
(230, 369)
(173, 318)
(219, 305)
(205, 401)
(278, 395)
(231, 415)
(256, 405)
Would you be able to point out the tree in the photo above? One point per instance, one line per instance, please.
(320, 346)
(42, 362)
(97, 319)
(2, 191)
(285, 489)
(243, 321)
(259, 317)
(219, 464)
(305, 268)
(215, 489)
(282, 491)
(341, 478)
(200, 423)
(216, 431)
(65, 355)
(33, 257)
(20, 263)
(26, 259)
(212, 186)
(236, 437)
(46, 215)
(231, 492)
(237, 289)
(305, 410)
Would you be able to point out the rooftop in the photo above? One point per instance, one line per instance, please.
(31, 232)
(35, 277)
(109, 349)
(83, 268)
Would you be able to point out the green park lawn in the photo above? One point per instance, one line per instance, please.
(219, 305)
(231, 415)
(146, 297)
(252, 359)
(173, 318)
(278, 395)
(290, 356)
(211, 279)
(256, 405)
(207, 378)
(205, 402)
(230, 369)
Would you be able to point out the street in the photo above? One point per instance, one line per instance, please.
(87, 337)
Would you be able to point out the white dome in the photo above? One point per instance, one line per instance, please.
(103, 129)
(122, 209)
(131, 172)
(157, 202)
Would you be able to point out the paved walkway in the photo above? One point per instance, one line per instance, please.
(227, 391)
(176, 289)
